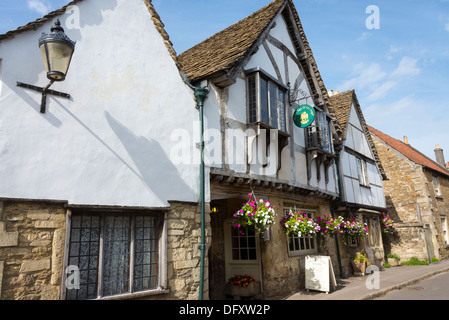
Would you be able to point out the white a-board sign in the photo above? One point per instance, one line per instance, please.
(319, 273)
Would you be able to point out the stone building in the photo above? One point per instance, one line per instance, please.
(260, 70)
(361, 176)
(92, 205)
(417, 195)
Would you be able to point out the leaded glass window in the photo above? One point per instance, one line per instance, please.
(115, 254)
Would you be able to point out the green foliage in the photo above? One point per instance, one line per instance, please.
(414, 262)
(394, 256)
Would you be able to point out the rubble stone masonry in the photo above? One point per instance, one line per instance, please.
(412, 203)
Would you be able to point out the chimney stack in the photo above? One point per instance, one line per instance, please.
(405, 140)
(439, 155)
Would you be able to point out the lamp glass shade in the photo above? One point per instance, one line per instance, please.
(57, 57)
(57, 50)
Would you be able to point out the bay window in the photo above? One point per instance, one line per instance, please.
(266, 100)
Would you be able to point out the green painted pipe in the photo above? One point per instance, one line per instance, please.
(201, 95)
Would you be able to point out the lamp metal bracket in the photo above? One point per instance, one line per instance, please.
(45, 91)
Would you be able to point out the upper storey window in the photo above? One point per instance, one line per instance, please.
(318, 135)
(266, 100)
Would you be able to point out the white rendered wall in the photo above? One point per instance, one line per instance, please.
(110, 143)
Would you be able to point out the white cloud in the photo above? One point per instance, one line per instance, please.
(382, 90)
(407, 67)
(364, 36)
(40, 6)
(367, 76)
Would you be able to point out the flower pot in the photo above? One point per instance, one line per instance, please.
(359, 267)
(251, 290)
(392, 262)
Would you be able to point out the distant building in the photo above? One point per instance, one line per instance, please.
(361, 175)
(417, 196)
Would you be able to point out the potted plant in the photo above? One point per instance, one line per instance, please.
(393, 259)
(359, 264)
(242, 286)
(255, 214)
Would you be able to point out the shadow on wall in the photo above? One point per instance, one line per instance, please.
(153, 164)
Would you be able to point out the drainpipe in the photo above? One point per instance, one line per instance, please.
(201, 95)
(336, 205)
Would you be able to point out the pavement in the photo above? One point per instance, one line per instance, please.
(355, 287)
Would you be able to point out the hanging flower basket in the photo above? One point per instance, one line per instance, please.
(255, 214)
(297, 223)
(329, 226)
(353, 228)
(387, 224)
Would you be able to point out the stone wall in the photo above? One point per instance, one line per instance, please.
(412, 203)
(31, 250)
(183, 253)
(439, 207)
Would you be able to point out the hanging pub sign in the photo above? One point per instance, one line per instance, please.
(304, 116)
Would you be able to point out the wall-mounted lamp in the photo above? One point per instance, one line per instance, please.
(57, 50)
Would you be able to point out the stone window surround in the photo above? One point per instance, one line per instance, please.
(163, 273)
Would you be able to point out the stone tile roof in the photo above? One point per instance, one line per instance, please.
(228, 47)
(409, 152)
(34, 25)
(341, 104)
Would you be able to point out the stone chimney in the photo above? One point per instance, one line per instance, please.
(439, 156)
(405, 140)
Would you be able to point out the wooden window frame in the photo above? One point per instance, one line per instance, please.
(254, 79)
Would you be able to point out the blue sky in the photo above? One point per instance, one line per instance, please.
(400, 71)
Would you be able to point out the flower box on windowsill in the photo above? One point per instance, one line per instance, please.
(251, 290)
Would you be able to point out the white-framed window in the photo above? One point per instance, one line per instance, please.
(444, 227)
(436, 185)
(301, 245)
(266, 100)
(362, 168)
(115, 254)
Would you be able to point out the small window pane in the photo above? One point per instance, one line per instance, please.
(252, 99)
(264, 115)
(281, 103)
(273, 105)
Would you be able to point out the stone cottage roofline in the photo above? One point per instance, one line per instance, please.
(409, 152)
(341, 104)
(34, 25)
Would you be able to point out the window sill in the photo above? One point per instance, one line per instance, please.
(262, 125)
(129, 296)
